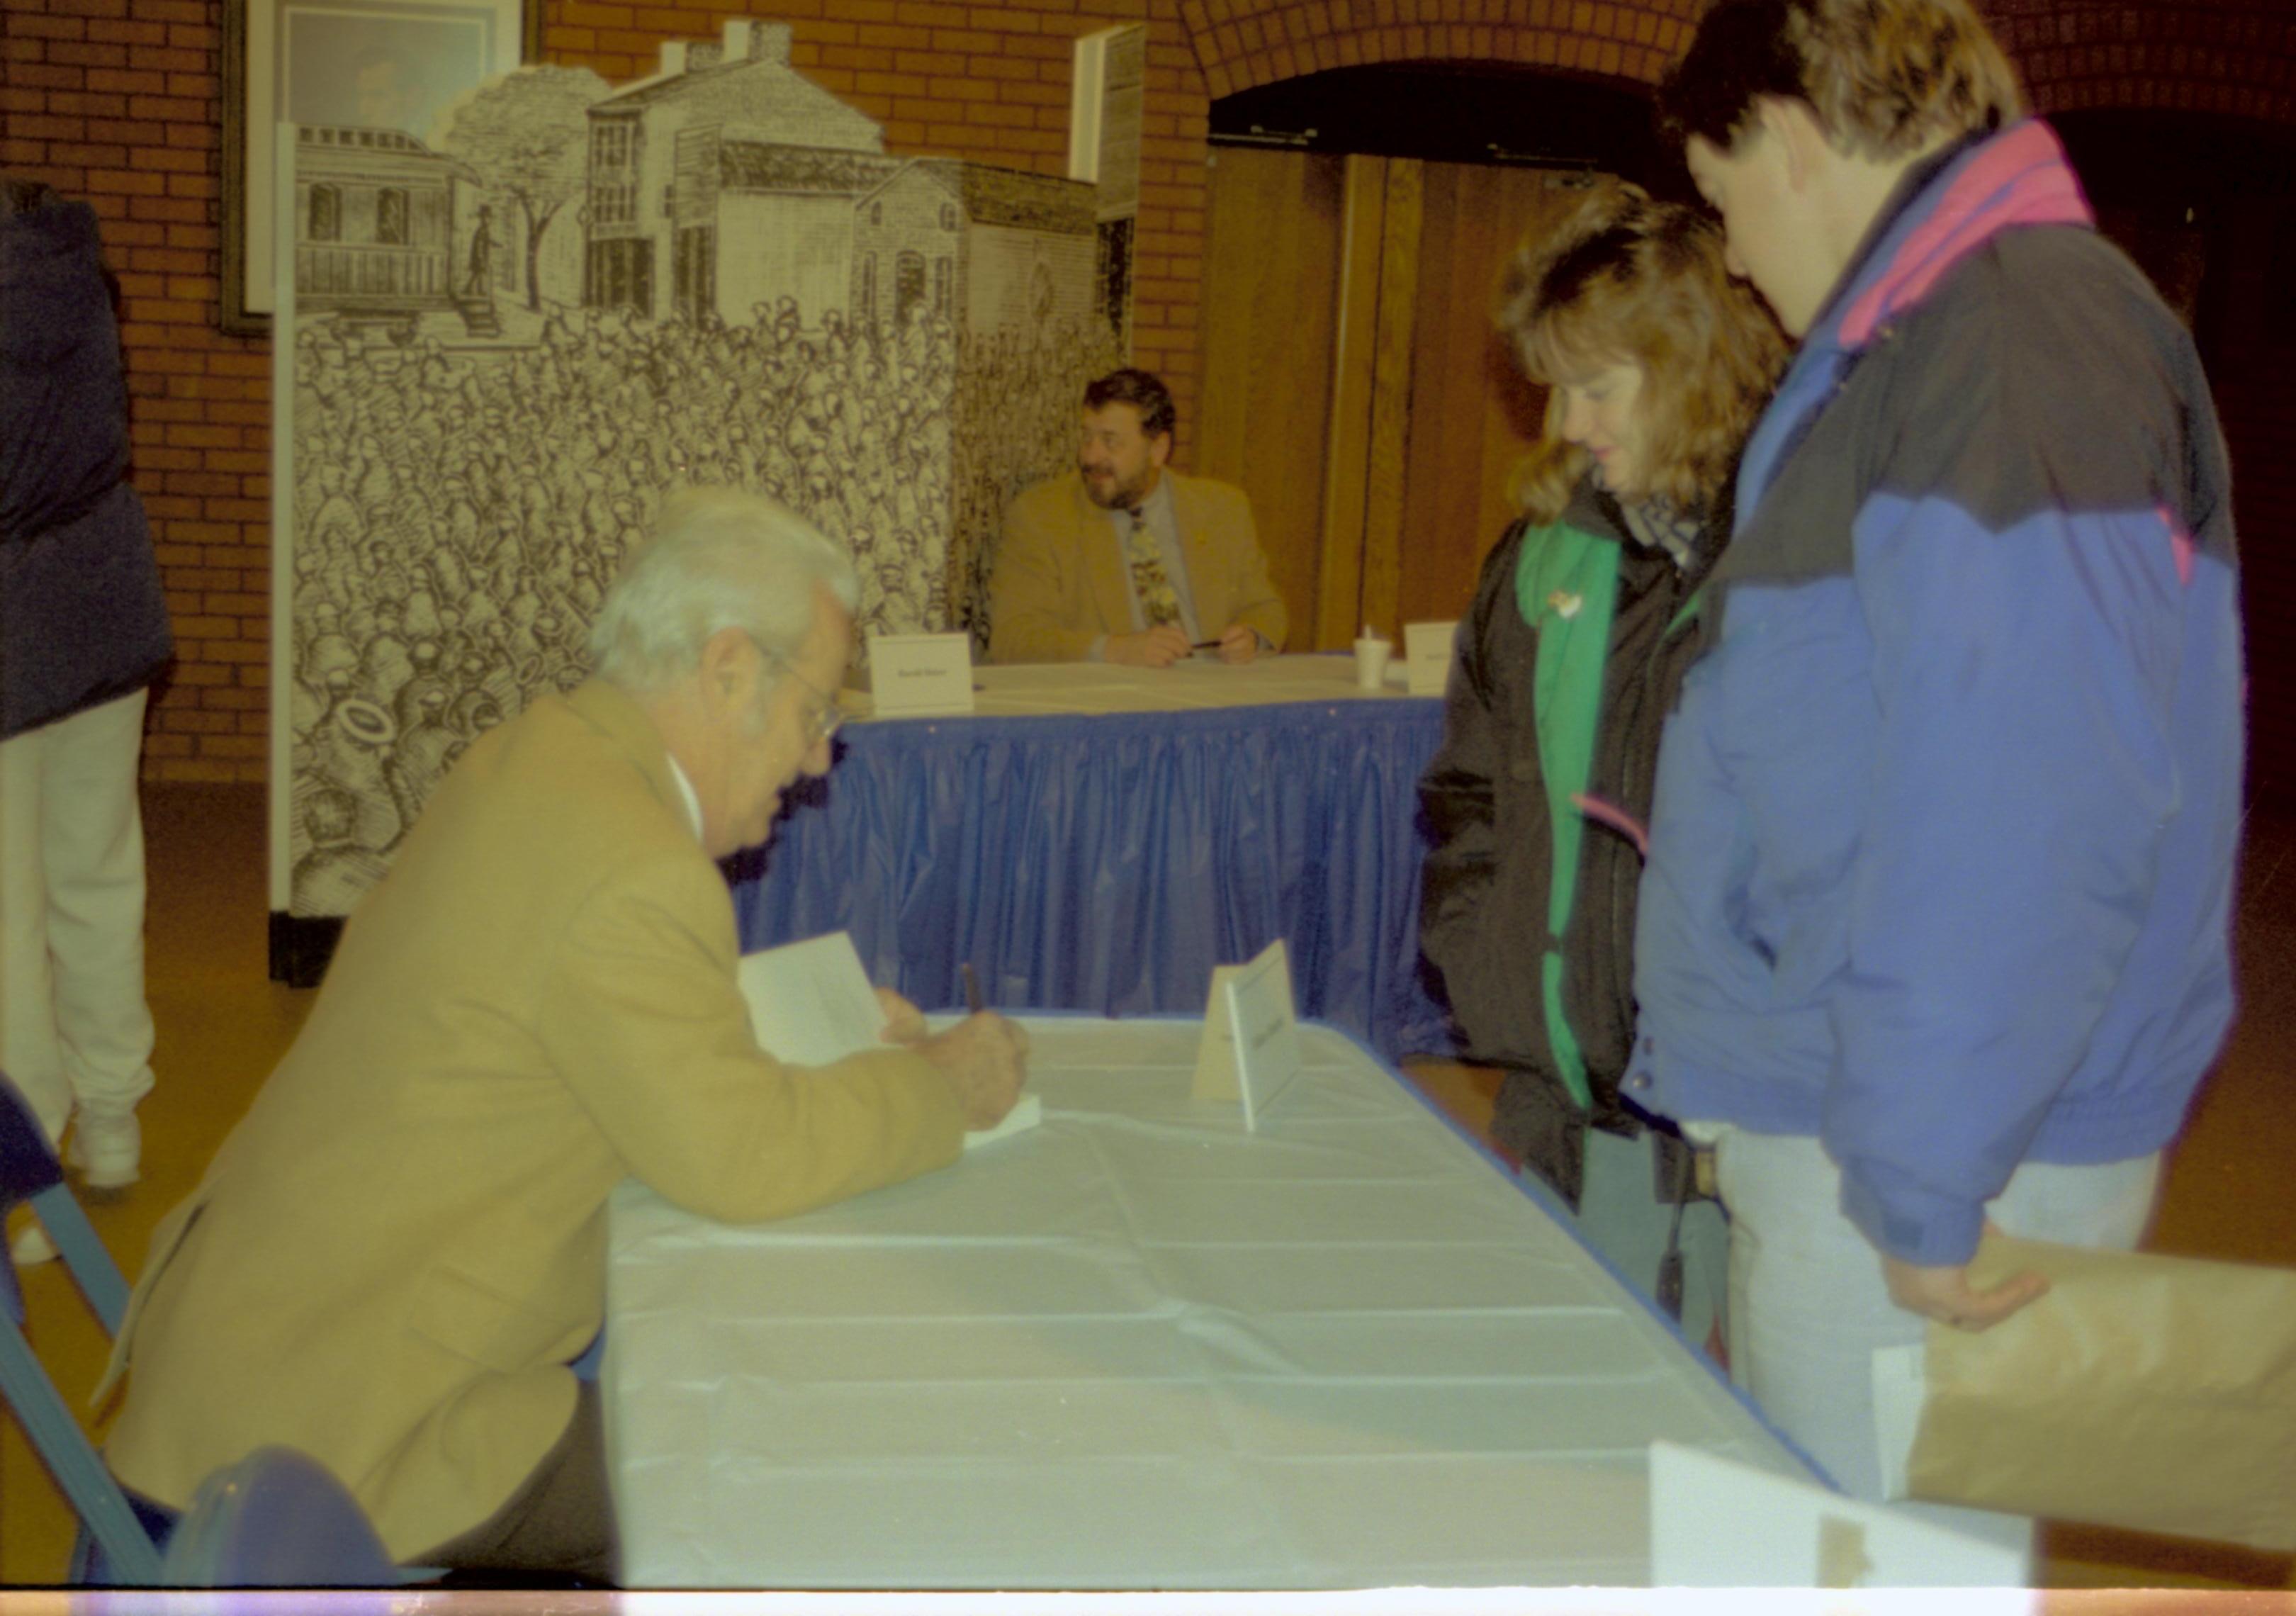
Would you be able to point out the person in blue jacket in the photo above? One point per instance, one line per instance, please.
(1657, 364)
(1936, 928)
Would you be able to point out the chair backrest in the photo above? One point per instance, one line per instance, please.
(276, 1519)
(31, 1172)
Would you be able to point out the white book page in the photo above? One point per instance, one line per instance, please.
(811, 1003)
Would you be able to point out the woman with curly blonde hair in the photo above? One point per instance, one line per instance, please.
(1658, 362)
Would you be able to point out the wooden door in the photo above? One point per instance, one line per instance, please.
(1271, 291)
(1354, 384)
(1473, 417)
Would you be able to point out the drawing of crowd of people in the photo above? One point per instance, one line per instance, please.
(460, 510)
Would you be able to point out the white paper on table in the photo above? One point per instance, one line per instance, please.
(1027, 1111)
(811, 1003)
(1715, 1523)
(1900, 1383)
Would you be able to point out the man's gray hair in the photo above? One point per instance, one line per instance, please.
(719, 559)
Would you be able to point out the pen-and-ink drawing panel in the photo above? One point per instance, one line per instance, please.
(514, 337)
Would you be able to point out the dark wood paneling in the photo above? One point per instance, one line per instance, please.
(1271, 280)
(1354, 383)
(1473, 417)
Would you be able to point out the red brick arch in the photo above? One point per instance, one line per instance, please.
(1243, 43)
(2235, 57)
(2225, 56)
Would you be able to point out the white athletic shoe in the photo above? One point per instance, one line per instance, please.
(31, 1246)
(107, 1147)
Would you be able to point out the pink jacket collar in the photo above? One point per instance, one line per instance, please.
(2020, 177)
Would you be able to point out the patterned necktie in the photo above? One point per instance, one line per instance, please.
(1159, 602)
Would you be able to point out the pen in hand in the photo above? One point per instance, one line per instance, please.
(971, 986)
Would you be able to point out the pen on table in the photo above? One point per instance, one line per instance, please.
(971, 986)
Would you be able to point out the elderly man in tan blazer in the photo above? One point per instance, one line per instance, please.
(394, 1256)
(1123, 560)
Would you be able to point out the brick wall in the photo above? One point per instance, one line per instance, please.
(119, 106)
(2236, 57)
(119, 101)
(1245, 43)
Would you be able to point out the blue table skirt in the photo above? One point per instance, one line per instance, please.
(1107, 863)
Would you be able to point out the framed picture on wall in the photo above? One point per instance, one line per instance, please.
(396, 65)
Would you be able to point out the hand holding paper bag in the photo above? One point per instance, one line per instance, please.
(1947, 1296)
(2157, 1393)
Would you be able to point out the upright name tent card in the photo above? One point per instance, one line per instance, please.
(1427, 657)
(920, 673)
(1251, 1047)
(811, 1003)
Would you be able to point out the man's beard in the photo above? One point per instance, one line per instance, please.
(1121, 495)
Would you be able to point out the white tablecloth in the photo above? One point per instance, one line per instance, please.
(1019, 689)
(1139, 1347)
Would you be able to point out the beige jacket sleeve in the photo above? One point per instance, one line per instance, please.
(1041, 607)
(644, 1021)
(1232, 584)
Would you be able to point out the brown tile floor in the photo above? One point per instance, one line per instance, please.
(222, 1024)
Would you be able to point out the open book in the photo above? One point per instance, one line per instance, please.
(811, 1003)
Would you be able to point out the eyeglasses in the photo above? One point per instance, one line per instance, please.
(824, 717)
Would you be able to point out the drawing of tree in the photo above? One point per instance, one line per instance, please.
(525, 138)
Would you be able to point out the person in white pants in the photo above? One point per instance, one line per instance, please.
(83, 633)
(74, 1031)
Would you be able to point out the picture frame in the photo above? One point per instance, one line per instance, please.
(397, 64)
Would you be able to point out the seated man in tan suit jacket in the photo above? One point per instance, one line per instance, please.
(393, 1257)
(1122, 561)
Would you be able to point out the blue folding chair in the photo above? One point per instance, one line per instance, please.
(30, 1173)
(276, 1519)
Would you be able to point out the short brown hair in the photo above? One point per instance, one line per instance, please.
(1886, 79)
(1630, 280)
(1143, 390)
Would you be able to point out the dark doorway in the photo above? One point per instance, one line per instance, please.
(2207, 207)
(1457, 112)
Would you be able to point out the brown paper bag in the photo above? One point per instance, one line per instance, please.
(2156, 1393)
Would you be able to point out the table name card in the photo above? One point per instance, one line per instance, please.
(920, 673)
(1251, 1045)
(1427, 657)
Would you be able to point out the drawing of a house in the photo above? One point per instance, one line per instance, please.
(984, 247)
(1030, 249)
(780, 224)
(659, 222)
(908, 240)
(728, 182)
(374, 215)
